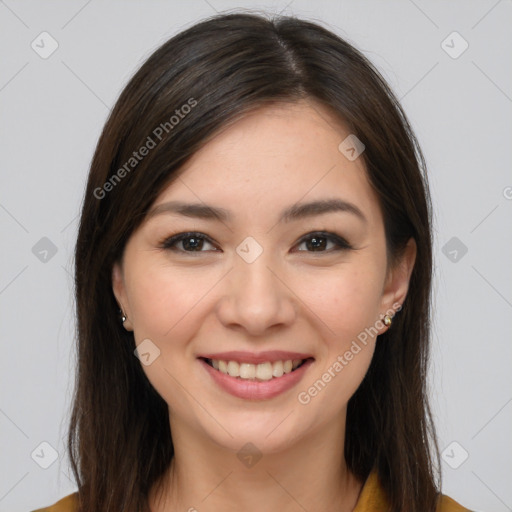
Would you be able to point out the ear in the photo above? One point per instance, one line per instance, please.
(397, 280)
(119, 289)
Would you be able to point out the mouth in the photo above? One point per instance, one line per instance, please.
(265, 371)
(256, 377)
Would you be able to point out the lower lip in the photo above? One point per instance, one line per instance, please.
(253, 389)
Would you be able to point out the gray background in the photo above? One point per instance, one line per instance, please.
(52, 111)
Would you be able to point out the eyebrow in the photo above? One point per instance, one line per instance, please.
(295, 212)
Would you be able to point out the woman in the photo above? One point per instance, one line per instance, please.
(253, 274)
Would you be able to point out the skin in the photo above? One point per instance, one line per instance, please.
(290, 298)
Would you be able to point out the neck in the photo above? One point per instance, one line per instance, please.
(309, 475)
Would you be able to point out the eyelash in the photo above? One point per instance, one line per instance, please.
(340, 243)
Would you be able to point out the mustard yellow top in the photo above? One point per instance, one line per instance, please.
(371, 499)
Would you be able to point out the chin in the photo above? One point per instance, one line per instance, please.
(268, 432)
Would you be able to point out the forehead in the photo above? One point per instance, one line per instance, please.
(274, 156)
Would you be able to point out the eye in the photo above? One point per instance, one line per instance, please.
(193, 241)
(190, 242)
(321, 241)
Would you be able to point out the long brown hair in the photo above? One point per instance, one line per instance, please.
(119, 436)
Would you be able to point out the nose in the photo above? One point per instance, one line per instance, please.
(256, 299)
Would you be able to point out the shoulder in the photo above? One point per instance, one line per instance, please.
(372, 497)
(67, 504)
(447, 504)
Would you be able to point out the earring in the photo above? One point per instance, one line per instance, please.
(123, 316)
(388, 320)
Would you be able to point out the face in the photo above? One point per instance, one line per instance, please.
(259, 281)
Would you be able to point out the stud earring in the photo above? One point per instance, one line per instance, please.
(123, 316)
(388, 320)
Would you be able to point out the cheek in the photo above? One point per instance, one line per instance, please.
(346, 300)
(163, 300)
(347, 304)
(165, 305)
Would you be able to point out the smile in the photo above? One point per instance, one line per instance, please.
(262, 378)
(262, 371)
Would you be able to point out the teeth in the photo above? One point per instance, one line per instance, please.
(247, 371)
(277, 369)
(262, 371)
(233, 369)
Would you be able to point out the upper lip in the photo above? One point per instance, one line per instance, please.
(256, 358)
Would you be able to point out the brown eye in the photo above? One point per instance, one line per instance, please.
(323, 242)
(190, 242)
